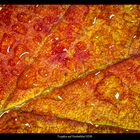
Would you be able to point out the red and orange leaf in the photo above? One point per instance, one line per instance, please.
(20, 122)
(23, 30)
(86, 101)
(69, 68)
(78, 46)
(17, 121)
(102, 98)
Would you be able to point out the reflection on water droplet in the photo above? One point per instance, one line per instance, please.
(92, 104)
(131, 8)
(56, 38)
(27, 124)
(117, 95)
(18, 62)
(23, 54)
(134, 36)
(112, 15)
(97, 37)
(110, 47)
(0, 8)
(94, 21)
(15, 119)
(65, 50)
(96, 125)
(35, 85)
(8, 49)
(59, 97)
(90, 122)
(97, 73)
(4, 113)
(47, 90)
(86, 83)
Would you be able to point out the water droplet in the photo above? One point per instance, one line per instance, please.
(43, 72)
(7, 43)
(73, 11)
(5, 14)
(19, 49)
(50, 19)
(37, 39)
(19, 28)
(15, 72)
(23, 17)
(38, 26)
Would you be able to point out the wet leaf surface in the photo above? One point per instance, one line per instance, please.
(69, 69)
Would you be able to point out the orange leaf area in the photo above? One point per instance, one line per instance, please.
(17, 121)
(20, 40)
(105, 98)
(69, 69)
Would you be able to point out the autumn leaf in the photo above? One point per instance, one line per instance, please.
(22, 39)
(103, 98)
(69, 65)
(99, 103)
